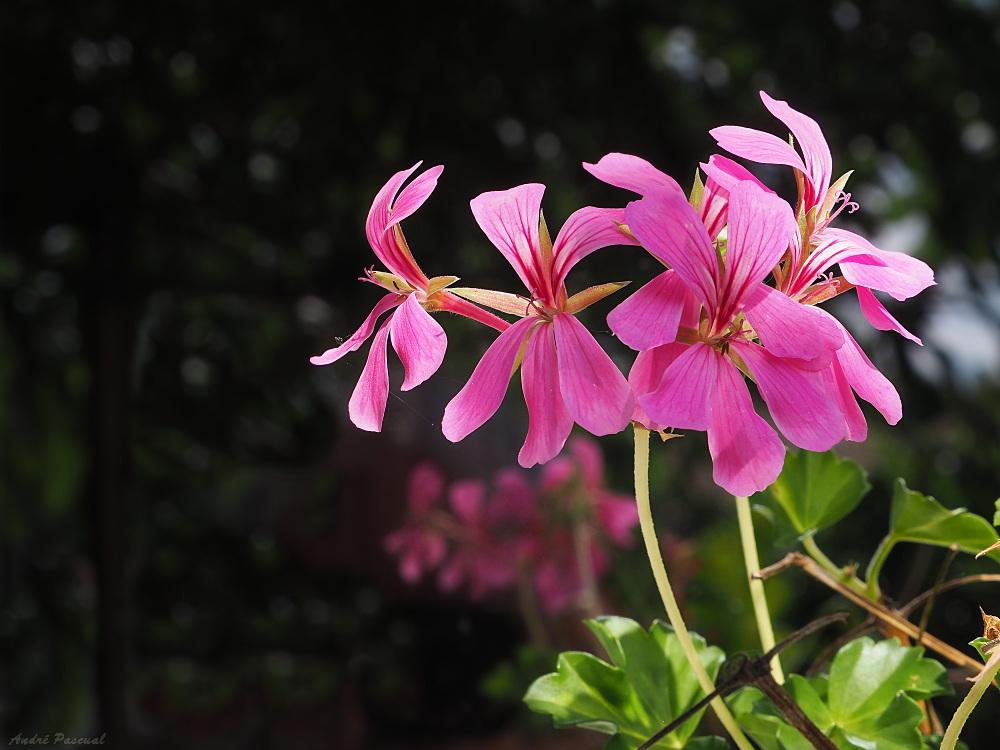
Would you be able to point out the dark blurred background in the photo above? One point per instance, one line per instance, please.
(191, 530)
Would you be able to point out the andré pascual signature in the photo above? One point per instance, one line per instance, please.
(57, 738)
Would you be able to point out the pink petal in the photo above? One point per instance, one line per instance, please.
(761, 226)
(898, 274)
(747, 454)
(632, 173)
(681, 399)
(482, 395)
(803, 404)
(414, 195)
(590, 460)
(419, 341)
(650, 316)
(722, 174)
(756, 145)
(870, 384)
(854, 419)
(466, 499)
(367, 405)
(359, 337)
(815, 151)
(586, 230)
(593, 389)
(384, 243)
(646, 374)
(424, 487)
(510, 219)
(790, 329)
(880, 318)
(549, 424)
(669, 228)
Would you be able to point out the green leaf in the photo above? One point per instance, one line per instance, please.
(647, 684)
(921, 518)
(996, 513)
(815, 490)
(978, 644)
(867, 701)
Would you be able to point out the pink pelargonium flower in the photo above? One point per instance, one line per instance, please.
(804, 275)
(565, 375)
(417, 338)
(717, 319)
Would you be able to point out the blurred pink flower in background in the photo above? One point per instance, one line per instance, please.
(555, 536)
(418, 339)
(419, 544)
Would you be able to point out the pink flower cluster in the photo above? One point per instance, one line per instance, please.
(707, 323)
(488, 539)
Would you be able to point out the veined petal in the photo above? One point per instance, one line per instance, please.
(385, 242)
(681, 399)
(419, 341)
(549, 424)
(633, 173)
(510, 219)
(722, 174)
(668, 227)
(854, 419)
(756, 145)
(367, 405)
(586, 230)
(815, 150)
(790, 329)
(803, 404)
(651, 316)
(593, 389)
(866, 380)
(880, 318)
(646, 374)
(359, 337)
(414, 195)
(761, 226)
(482, 395)
(900, 275)
(747, 454)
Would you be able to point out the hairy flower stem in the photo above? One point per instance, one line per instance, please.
(970, 701)
(757, 596)
(667, 593)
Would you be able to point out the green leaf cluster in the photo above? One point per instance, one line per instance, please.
(644, 686)
(868, 700)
